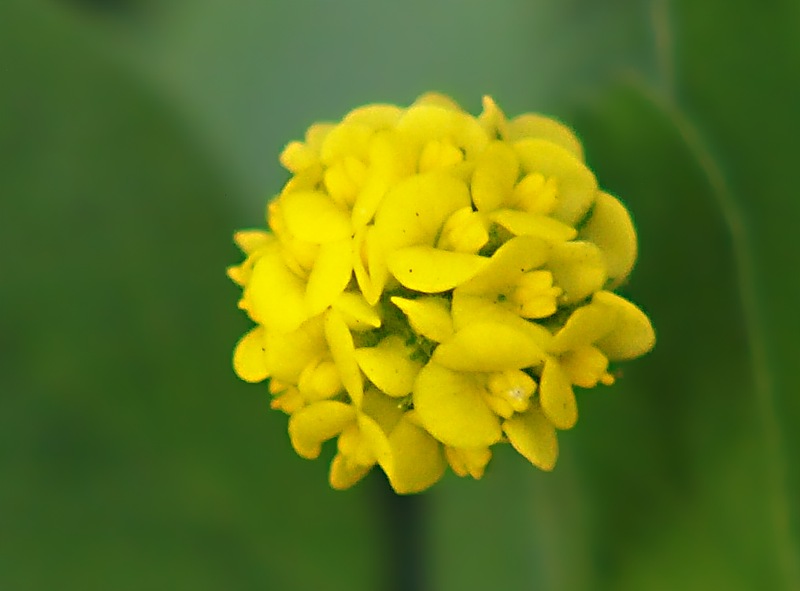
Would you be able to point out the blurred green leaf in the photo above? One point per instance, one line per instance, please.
(131, 457)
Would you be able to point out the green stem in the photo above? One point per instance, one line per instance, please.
(403, 517)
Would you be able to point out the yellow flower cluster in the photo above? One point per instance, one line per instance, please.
(432, 284)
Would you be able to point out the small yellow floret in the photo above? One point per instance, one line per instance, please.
(535, 294)
(297, 156)
(468, 461)
(514, 387)
(438, 154)
(586, 366)
(320, 380)
(345, 179)
(289, 401)
(464, 231)
(536, 194)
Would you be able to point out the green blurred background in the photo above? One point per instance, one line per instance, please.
(136, 135)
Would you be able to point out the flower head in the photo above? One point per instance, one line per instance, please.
(433, 284)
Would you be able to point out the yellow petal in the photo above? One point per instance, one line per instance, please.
(375, 436)
(438, 154)
(319, 380)
(464, 231)
(611, 229)
(492, 118)
(345, 139)
(500, 406)
(277, 387)
(250, 241)
(305, 180)
(249, 361)
(312, 425)
(585, 326)
(531, 125)
(344, 473)
(585, 366)
(415, 209)
(298, 255)
(488, 346)
(632, 334)
(330, 275)
(364, 441)
(517, 256)
(391, 158)
(578, 268)
(384, 410)
(343, 351)
(389, 366)
(534, 437)
(430, 270)
(576, 183)
(495, 174)
(290, 401)
(344, 179)
(428, 315)
(513, 387)
(450, 406)
(522, 223)
(275, 297)
(535, 194)
(439, 100)
(353, 445)
(256, 244)
(469, 308)
(369, 264)
(535, 296)
(239, 274)
(468, 461)
(312, 216)
(425, 122)
(376, 116)
(297, 156)
(288, 354)
(356, 312)
(556, 396)
(316, 134)
(416, 461)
